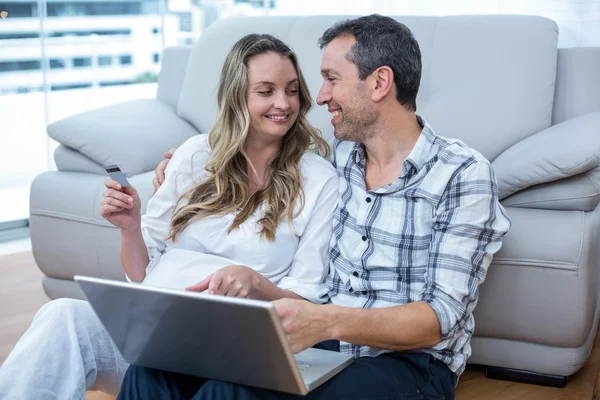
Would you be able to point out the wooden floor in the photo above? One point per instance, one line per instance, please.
(21, 295)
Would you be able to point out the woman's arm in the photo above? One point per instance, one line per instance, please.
(121, 207)
(310, 265)
(134, 253)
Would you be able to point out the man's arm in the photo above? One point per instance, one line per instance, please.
(158, 180)
(406, 327)
(467, 230)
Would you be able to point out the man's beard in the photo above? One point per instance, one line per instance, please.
(359, 127)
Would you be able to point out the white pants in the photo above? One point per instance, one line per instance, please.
(65, 352)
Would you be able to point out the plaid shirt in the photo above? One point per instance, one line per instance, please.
(429, 236)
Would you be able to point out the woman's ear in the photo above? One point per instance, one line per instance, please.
(384, 82)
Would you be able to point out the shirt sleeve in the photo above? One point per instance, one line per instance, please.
(310, 265)
(468, 227)
(179, 177)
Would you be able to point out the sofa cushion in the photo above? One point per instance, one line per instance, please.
(567, 149)
(67, 159)
(483, 76)
(133, 135)
(580, 192)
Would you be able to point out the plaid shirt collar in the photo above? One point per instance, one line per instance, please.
(415, 161)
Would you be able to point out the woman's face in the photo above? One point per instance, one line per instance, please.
(273, 99)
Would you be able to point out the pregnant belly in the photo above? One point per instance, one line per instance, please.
(178, 268)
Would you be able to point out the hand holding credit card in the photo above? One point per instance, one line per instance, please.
(120, 203)
(116, 174)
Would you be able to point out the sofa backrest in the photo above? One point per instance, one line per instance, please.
(487, 80)
(173, 64)
(577, 83)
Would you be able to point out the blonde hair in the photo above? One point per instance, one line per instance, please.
(226, 188)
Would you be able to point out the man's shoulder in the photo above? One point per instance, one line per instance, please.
(454, 152)
(342, 150)
(313, 166)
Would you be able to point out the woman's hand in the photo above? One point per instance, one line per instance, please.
(234, 281)
(120, 205)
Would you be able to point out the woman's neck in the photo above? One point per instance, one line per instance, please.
(260, 153)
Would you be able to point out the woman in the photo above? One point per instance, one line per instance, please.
(244, 211)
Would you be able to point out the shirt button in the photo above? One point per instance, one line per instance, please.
(364, 238)
(368, 199)
(355, 273)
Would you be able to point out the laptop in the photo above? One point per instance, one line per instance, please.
(215, 337)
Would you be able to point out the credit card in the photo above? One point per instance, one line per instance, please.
(116, 174)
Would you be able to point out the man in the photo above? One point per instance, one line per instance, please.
(414, 234)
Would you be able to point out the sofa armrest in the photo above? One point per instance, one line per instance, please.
(567, 149)
(67, 159)
(133, 135)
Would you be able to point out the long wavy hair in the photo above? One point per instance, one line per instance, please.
(226, 189)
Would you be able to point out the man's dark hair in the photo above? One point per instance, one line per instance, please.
(383, 41)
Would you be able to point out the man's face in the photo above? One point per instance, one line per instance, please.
(346, 96)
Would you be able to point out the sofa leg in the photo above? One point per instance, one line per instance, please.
(517, 375)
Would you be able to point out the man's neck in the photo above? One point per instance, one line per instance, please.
(387, 150)
(395, 137)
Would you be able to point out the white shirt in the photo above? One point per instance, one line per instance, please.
(298, 259)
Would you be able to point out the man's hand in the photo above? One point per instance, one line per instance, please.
(304, 323)
(160, 170)
(234, 281)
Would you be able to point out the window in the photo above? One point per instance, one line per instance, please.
(71, 86)
(57, 64)
(9, 36)
(105, 61)
(115, 83)
(20, 9)
(64, 9)
(110, 32)
(81, 62)
(85, 72)
(185, 22)
(14, 66)
(28, 89)
(21, 89)
(125, 60)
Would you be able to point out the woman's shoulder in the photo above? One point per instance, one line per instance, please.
(193, 152)
(197, 143)
(189, 159)
(316, 168)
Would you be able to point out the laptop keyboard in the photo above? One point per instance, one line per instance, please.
(303, 366)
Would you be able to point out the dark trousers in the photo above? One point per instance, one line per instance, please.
(399, 376)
